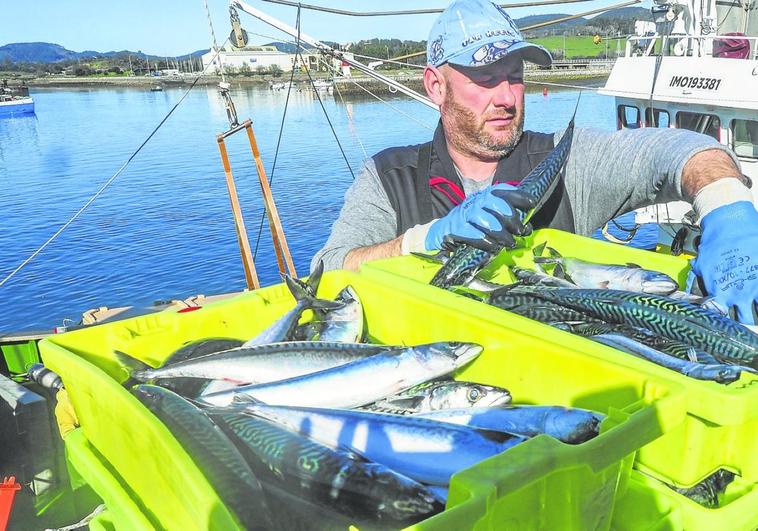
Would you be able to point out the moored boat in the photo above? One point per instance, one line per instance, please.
(696, 68)
(15, 105)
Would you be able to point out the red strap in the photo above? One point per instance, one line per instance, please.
(446, 187)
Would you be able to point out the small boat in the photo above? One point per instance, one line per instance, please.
(156, 88)
(323, 85)
(13, 106)
(15, 101)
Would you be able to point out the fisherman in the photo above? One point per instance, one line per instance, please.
(462, 184)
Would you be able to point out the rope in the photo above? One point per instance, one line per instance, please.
(403, 113)
(352, 130)
(326, 115)
(107, 183)
(215, 44)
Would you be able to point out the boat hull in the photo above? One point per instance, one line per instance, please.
(16, 107)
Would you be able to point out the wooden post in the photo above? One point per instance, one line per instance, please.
(251, 276)
(277, 232)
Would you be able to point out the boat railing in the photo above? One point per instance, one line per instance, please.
(728, 46)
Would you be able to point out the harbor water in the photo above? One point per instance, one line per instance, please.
(164, 229)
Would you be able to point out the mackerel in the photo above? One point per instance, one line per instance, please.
(569, 425)
(718, 336)
(334, 479)
(528, 305)
(212, 451)
(629, 277)
(305, 297)
(344, 324)
(425, 450)
(362, 381)
(446, 394)
(668, 346)
(539, 184)
(258, 364)
(719, 373)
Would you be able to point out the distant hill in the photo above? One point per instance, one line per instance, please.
(45, 52)
(536, 19)
(617, 21)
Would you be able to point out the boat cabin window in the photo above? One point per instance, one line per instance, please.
(628, 117)
(745, 138)
(660, 118)
(708, 124)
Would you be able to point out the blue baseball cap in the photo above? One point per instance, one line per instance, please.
(478, 33)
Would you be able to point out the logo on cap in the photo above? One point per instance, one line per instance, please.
(436, 51)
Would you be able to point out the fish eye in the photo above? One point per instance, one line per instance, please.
(473, 395)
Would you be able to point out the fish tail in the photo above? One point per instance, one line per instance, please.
(304, 293)
(136, 369)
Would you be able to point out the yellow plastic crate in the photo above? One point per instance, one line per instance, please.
(722, 423)
(539, 484)
(652, 506)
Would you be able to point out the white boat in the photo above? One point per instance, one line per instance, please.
(695, 67)
(323, 85)
(15, 101)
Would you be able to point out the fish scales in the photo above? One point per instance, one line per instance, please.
(362, 381)
(334, 479)
(423, 449)
(212, 451)
(678, 320)
(264, 363)
(467, 260)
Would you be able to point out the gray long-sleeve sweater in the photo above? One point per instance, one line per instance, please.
(607, 174)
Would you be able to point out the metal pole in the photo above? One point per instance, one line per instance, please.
(330, 51)
(251, 276)
(277, 232)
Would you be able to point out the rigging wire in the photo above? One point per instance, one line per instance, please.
(107, 183)
(406, 12)
(278, 142)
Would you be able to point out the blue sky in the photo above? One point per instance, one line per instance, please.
(175, 27)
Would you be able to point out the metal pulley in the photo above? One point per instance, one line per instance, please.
(238, 36)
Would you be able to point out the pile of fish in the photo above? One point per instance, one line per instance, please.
(304, 425)
(635, 310)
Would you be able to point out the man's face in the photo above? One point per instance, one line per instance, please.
(483, 108)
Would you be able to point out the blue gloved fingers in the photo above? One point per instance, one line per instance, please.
(515, 198)
(510, 225)
(745, 313)
(501, 237)
(483, 243)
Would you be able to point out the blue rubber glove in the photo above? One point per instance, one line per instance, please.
(727, 259)
(487, 220)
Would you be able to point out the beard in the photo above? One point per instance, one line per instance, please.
(466, 131)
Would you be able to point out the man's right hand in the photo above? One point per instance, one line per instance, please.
(488, 220)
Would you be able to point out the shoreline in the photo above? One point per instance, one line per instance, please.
(345, 84)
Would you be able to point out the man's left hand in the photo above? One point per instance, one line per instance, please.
(727, 260)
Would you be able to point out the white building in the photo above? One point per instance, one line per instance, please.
(259, 57)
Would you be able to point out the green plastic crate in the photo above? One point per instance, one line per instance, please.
(144, 475)
(649, 505)
(722, 423)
